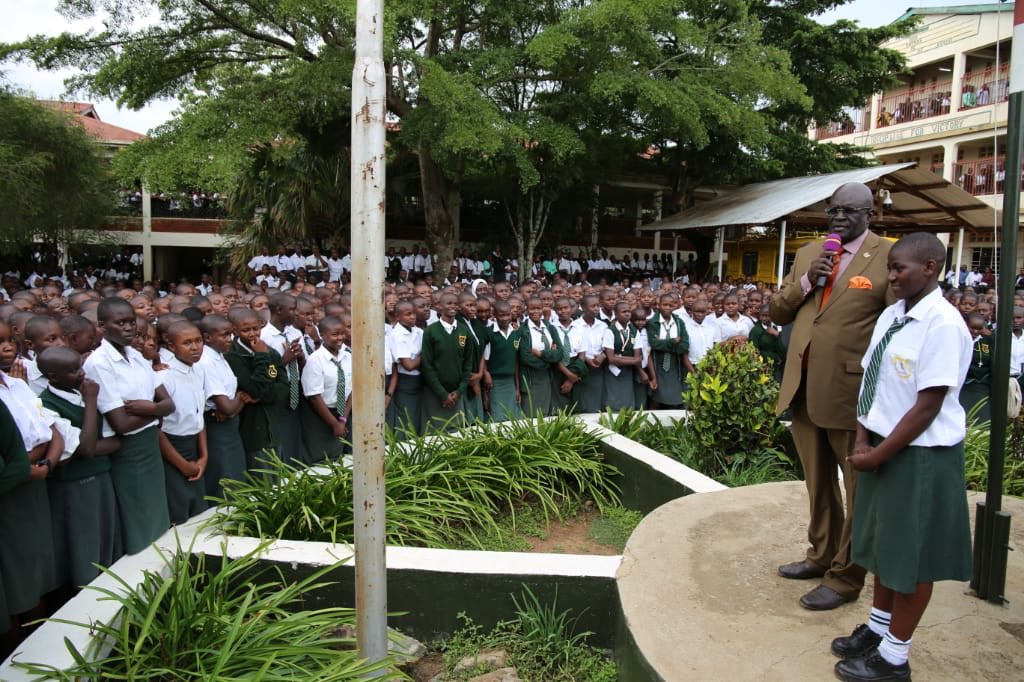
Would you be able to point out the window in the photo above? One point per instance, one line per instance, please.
(749, 263)
(981, 258)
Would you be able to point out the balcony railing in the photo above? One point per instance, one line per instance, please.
(937, 168)
(989, 86)
(835, 129)
(981, 176)
(914, 104)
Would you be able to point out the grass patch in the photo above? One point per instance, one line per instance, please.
(541, 642)
(445, 490)
(614, 526)
(676, 440)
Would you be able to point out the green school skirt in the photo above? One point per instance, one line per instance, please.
(503, 400)
(971, 395)
(226, 455)
(185, 498)
(321, 443)
(137, 472)
(406, 401)
(910, 520)
(27, 568)
(292, 449)
(670, 382)
(474, 408)
(436, 416)
(618, 390)
(590, 392)
(536, 389)
(86, 527)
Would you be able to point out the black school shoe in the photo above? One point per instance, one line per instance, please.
(858, 644)
(871, 668)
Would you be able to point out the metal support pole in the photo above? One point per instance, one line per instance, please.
(367, 182)
(675, 255)
(782, 254)
(721, 251)
(959, 255)
(990, 575)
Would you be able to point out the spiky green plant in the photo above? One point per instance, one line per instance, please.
(442, 490)
(206, 618)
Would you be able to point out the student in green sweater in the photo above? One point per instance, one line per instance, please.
(978, 385)
(503, 365)
(571, 368)
(446, 364)
(83, 506)
(539, 354)
(262, 376)
(767, 338)
(666, 334)
(472, 401)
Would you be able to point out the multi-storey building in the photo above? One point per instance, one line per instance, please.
(949, 112)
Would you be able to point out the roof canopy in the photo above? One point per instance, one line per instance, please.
(921, 200)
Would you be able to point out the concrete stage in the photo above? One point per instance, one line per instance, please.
(703, 601)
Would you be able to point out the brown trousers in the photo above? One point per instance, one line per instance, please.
(821, 451)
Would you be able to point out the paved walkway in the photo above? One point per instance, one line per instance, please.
(699, 588)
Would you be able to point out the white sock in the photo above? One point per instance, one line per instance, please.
(879, 621)
(893, 650)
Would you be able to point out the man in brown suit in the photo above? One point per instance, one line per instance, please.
(832, 327)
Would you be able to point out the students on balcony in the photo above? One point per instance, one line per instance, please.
(984, 97)
(968, 99)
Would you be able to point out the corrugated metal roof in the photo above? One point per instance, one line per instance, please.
(921, 199)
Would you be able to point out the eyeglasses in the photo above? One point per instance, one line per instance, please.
(833, 211)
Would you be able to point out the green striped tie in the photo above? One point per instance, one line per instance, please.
(867, 394)
(566, 348)
(293, 378)
(339, 399)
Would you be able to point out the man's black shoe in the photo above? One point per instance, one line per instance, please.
(871, 668)
(858, 644)
(801, 570)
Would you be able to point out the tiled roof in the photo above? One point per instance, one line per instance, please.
(86, 116)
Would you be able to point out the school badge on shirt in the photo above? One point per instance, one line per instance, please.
(272, 371)
(462, 341)
(515, 344)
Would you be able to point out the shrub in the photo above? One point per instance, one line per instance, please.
(976, 446)
(732, 398)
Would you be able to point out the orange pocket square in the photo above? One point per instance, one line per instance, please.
(859, 282)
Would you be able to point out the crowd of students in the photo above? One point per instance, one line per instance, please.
(124, 408)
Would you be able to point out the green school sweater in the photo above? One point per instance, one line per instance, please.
(263, 376)
(659, 345)
(549, 356)
(770, 347)
(76, 468)
(446, 360)
(502, 361)
(14, 464)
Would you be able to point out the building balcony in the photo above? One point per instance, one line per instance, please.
(907, 105)
(989, 86)
(981, 177)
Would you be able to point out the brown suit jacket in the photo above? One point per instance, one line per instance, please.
(836, 336)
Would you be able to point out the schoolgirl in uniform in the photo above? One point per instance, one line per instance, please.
(132, 400)
(666, 334)
(624, 356)
(183, 432)
(83, 505)
(224, 402)
(327, 386)
(910, 524)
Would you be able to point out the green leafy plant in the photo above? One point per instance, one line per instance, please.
(731, 399)
(443, 490)
(204, 618)
(614, 526)
(976, 451)
(541, 642)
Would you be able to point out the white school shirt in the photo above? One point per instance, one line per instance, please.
(121, 377)
(701, 337)
(335, 266)
(933, 349)
(320, 375)
(186, 386)
(575, 344)
(32, 420)
(257, 263)
(540, 336)
(279, 340)
(645, 347)
(218, 379)
(407, 344)
(271, 281)
(1016, 354)
(589, 337)
(740, 327)
(36, 381)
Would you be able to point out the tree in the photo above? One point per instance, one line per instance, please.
(54, 185)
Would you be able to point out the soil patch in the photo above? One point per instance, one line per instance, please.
(427, 668)
(571, 536)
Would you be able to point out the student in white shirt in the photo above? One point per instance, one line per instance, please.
(286, 340)
(702, 331)
(224, 402)
(327, 385)
(733, 325)
(587, 333)
(40, 332)
(335, 266)
(407, 341)
(183, 432)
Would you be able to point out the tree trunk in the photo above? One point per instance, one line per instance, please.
(528, 224)
(440, 230)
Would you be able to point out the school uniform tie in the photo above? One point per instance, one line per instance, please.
(666, 358)
(339, 398)
(867, 395)
(566, 348)
(309, 345)
(293, 379)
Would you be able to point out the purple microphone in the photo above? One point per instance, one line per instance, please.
(832, 244)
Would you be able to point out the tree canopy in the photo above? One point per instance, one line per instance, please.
(522, 102)
(53, 181)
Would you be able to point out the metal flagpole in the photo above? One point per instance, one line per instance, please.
(992, 525)
(367, 182)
